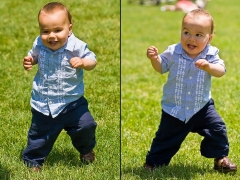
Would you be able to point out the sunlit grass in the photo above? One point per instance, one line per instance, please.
(98, 25)
(141, 89)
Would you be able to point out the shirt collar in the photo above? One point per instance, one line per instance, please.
(70, 43)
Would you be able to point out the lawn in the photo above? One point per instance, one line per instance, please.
(141, 89)
(98, 24)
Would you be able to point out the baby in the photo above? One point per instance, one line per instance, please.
(58, 91)
(187, 105)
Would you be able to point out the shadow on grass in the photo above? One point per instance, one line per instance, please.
(178, 171)
(68, 157)
(4, 173)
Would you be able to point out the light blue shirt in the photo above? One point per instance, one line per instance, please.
(56, 83)
(187, 89)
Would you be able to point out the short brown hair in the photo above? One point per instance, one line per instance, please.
(202, 12)
(54, 5)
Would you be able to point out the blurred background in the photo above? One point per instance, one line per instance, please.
(145, 23)
(98, 24)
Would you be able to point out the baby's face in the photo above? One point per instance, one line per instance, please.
(54, 29)
(195, 35)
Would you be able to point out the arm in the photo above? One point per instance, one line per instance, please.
(216, 70)
(28, 62)
(152, 54)
(84, 63)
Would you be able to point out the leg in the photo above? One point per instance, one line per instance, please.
(41, 136)
(167, 142)
(81, 127)
(215, 143)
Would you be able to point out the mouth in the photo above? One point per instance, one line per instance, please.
(190, 46)
(53, 43)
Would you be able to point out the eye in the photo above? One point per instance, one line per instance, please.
(45, 32)
(198, 35)
(58, 30)
(186, 33)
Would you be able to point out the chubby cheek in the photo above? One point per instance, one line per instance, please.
(64, 39)
(207, 40)
(183, 40)
(44, 39)
(203, 44)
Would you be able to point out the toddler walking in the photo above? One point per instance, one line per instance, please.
(187, 105)
(58, 90)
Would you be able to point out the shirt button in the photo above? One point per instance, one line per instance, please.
(190, 77)
(189, 92)
(187, 108)
(50, 71)
(50, 87)
(50, 102)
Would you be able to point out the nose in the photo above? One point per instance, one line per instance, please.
(51, 35)
(191, 38)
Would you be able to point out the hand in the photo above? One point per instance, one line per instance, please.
(216, 70)
(28, 62)
(76, 62)
(152, 53)
(202, 64)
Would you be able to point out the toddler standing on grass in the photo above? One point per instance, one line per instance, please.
(58, 90)
(187, 105)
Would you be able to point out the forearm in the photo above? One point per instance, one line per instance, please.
(216, 70)
(88, 64)
(157, 64)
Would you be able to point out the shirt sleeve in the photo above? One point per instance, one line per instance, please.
(34, 52)
(166, 59)
(214, 57)
(88, 54)
(81, 50)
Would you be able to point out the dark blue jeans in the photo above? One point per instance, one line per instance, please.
(75, 119)
(172, 132)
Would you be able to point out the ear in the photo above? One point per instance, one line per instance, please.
(210, 38)
(70, 30)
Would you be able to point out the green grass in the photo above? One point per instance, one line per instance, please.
(98, 24)
(141, 89)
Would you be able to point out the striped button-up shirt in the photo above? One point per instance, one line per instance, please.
(56, 83)
(187, 89)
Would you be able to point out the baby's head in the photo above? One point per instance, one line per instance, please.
(201, 13)
(197, 31)
(50, 7)
(55, 23)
